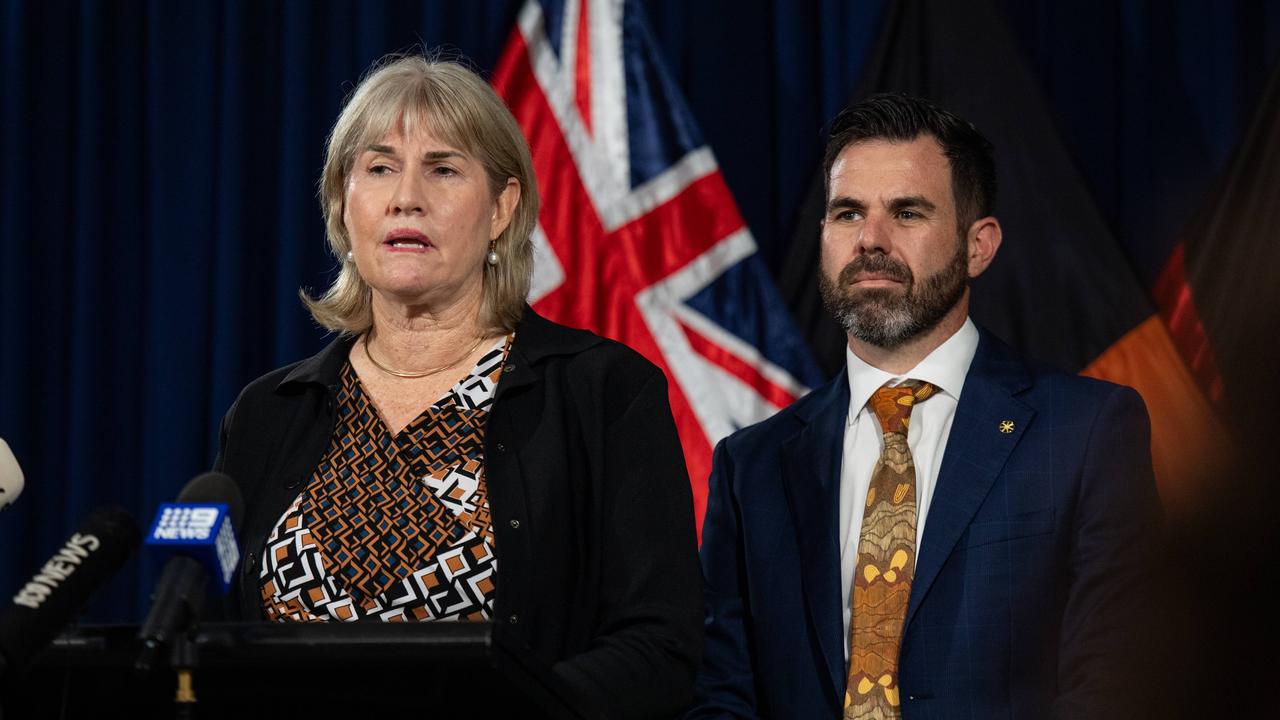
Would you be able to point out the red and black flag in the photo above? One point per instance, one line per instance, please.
(1219, 295)
(1219, 292)
(1061, 289)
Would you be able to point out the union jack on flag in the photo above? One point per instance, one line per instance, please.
(639, 238)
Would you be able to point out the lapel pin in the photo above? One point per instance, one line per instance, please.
(1006, 426)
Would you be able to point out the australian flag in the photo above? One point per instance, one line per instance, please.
(639, 238)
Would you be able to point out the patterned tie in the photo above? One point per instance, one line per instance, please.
(886, 561)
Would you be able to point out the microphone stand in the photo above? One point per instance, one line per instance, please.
(184, 658)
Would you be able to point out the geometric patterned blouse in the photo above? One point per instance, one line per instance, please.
(392, 528)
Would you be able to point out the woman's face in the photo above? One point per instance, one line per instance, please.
(420, 215)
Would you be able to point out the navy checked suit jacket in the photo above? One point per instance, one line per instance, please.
(1028, 573)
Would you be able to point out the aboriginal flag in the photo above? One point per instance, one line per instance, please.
(1219, 292)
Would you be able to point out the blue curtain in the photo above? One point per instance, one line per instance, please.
(1151, 97)
(158, 168)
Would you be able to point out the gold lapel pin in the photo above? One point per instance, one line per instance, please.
(1006, 426)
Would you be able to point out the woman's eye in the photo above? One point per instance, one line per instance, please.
(379, 169)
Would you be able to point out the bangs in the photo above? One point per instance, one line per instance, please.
(412, 108)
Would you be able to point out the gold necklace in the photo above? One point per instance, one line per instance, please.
(415, 376)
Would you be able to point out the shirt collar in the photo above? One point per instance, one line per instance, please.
(945, 368)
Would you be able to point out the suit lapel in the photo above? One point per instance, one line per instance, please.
(980, 442)
(811, 474)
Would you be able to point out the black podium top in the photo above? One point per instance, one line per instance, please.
(278, 670)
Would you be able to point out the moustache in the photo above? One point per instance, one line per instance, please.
(878, 265)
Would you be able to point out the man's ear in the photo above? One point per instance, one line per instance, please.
(983, 241)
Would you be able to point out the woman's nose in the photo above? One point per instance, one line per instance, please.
(410, 195)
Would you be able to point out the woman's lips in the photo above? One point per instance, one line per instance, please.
(407, 240)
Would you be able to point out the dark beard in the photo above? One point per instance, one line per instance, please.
(888, 318)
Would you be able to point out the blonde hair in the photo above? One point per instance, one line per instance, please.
(462, 110)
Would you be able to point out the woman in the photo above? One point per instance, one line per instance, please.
(452, 455)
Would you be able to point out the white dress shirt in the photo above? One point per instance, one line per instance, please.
(927, 433)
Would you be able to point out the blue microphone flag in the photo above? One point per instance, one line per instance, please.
(202, 531)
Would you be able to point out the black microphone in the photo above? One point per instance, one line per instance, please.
(61, 588)
(198, 533)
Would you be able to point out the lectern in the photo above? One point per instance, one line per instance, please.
(295, 670)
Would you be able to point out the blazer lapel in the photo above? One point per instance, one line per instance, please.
(811, 474)
(988, 423)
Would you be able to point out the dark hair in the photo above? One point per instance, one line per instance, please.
(903, 118)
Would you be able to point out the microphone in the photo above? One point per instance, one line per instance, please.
(10, 476)
(61, 588)
(197, 533)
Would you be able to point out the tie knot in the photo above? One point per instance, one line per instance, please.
(892, 405)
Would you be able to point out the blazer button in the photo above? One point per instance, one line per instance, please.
(515, 524)
(513, 619)
(501, 447)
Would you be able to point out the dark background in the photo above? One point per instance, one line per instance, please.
(159, 161)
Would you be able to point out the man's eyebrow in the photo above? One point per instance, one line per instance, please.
(844, 202)
(911, 201)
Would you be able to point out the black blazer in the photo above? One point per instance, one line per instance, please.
(590, 499)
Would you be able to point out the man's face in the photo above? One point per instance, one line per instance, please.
(893, 261)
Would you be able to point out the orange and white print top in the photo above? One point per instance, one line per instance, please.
(392, 527)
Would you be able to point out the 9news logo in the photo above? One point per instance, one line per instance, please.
(186, 523)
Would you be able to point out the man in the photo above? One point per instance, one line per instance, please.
(946, 530)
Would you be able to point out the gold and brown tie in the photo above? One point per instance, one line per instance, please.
(886, 561)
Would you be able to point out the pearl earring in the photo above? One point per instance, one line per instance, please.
(351, 256)
(492, 257)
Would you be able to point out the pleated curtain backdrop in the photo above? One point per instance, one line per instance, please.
(159, 161)
(158, 173)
